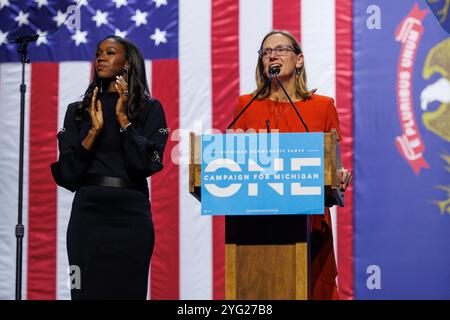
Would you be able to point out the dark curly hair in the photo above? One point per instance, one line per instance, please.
(138, 91)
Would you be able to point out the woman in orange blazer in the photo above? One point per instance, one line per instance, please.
(272, 110)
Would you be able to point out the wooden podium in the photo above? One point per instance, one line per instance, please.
(267, 257)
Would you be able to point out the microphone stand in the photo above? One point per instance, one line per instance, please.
(273, 73)
(22, 43)
(292, 103)
(250, 102)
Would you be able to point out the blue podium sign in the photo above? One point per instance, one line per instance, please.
(262, 174)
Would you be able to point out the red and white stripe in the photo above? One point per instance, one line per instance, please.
(69, 91)
(218, 44)
(196, 247)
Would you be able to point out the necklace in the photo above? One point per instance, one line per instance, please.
(279, 110)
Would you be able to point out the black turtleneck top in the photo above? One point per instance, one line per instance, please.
(132, 154)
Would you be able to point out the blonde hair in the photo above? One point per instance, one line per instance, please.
(300, 74)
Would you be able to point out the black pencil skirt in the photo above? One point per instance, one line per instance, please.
(110, 240)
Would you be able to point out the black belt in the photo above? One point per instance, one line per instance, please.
(105, 181)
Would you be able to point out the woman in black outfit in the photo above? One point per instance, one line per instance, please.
(111, 142)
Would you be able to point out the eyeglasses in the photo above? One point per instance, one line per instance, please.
(279, 50)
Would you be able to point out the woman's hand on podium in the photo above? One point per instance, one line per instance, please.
(345, 178)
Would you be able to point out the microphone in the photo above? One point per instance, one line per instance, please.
(22, 45)
(28, 38)
(274, 71)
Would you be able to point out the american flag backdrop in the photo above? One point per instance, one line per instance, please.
(200, 56)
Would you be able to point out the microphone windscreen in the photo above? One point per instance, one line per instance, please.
(274, 70)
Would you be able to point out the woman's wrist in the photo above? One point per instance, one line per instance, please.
(93, 132)
(123, 121)
(89, 140)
